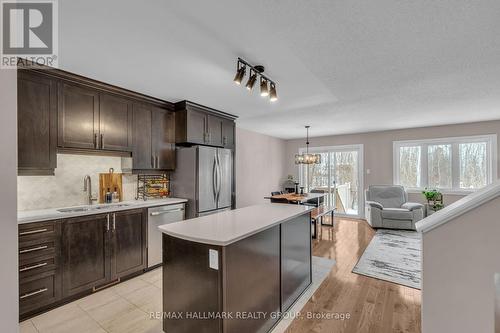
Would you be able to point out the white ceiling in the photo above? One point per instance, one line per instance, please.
(340, 66)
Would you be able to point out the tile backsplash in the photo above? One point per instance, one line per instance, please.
(66, 187)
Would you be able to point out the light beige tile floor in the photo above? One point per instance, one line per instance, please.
(122, 308)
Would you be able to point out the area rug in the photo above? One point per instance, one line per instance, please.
(321, 267)
(394, 256)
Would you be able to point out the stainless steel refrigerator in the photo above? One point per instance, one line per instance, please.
(204, 176)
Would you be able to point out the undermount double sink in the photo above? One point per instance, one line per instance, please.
(90, 208)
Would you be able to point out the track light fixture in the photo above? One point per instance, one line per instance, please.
(267, 86)
(252, 79)
(240, 74)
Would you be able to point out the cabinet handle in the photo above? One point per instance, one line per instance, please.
(107, 222)
(152, 161)
(224, 141)
(166, 211)
(102, 141)
(95, 140)
(39, 291)
(157, 162)
(114, 221)
(28, 268)
(31, 232)
(38, 248)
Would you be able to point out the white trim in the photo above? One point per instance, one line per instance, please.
(361, 171)
(460, 207)
(492, 155)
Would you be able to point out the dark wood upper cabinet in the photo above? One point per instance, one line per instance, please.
(197, 124)
(115, 123)
(78, 117)
(228, 139)
(85, 256)
(142, 152)
(129, 242)
(37, 124)
(214, 130)
(163, 138)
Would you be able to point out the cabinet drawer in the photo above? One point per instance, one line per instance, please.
(34, 231)
(38, 291)
(27, 252)
(36, 266)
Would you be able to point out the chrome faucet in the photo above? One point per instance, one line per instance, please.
(87, 187)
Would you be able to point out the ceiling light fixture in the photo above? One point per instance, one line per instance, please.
(251, 80)
(240, 73)
(256, 71)
(264, 91)
(307, 158)
(273, 97)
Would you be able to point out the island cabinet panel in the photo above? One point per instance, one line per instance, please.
(295, 259)
(252, 281)
(192, 286)
(129, 242)
(85, 255)
(115, 123)
(257, 275)
(78, 120)
(37, 124)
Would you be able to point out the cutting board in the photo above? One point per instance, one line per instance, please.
(110, 180)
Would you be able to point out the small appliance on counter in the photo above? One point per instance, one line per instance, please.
(110, 187)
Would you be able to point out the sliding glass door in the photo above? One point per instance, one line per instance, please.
(340, 175)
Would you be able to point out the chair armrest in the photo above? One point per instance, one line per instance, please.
(375, 204)
(412, 206)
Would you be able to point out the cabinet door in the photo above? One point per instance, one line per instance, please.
(196, 127)
(78, 117)
(215, 130)
(36, 119)
(129, 243)
(163, 135)
(85, 246)
(142, 154)
(228, 133)
(115, 123)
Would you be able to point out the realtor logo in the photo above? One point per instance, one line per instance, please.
(29, 32)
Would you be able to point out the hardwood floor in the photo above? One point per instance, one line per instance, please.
(373, 305)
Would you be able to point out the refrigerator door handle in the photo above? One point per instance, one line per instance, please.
(219, 177)
(214, 179)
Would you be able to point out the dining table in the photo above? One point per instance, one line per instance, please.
(297, 198)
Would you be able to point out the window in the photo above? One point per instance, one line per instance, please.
(456, 164)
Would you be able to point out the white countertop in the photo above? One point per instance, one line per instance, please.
(53, 213)
(230, 226)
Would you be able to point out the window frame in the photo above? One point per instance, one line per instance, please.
(491, 156)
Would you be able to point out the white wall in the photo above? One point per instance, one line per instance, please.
(65, 188)
(9, 309)
(260, 166)
(460, 259)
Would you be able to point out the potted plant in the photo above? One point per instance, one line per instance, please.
(434, 200)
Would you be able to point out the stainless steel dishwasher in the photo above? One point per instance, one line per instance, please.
(158, 216)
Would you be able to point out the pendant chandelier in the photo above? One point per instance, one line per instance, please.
(307, 158)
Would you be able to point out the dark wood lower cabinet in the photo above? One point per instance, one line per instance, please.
(66, 259)
(85, 252)
(129, 243)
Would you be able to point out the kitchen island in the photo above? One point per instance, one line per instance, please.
(235, 271)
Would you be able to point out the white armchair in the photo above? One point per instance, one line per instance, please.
(387, 206)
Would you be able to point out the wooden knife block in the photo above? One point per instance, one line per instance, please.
(110, 180)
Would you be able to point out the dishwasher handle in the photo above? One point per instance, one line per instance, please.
(166, 211)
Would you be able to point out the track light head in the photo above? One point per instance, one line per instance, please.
(273, 96)
(251, 80)
(240, 74)
(264, 91)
